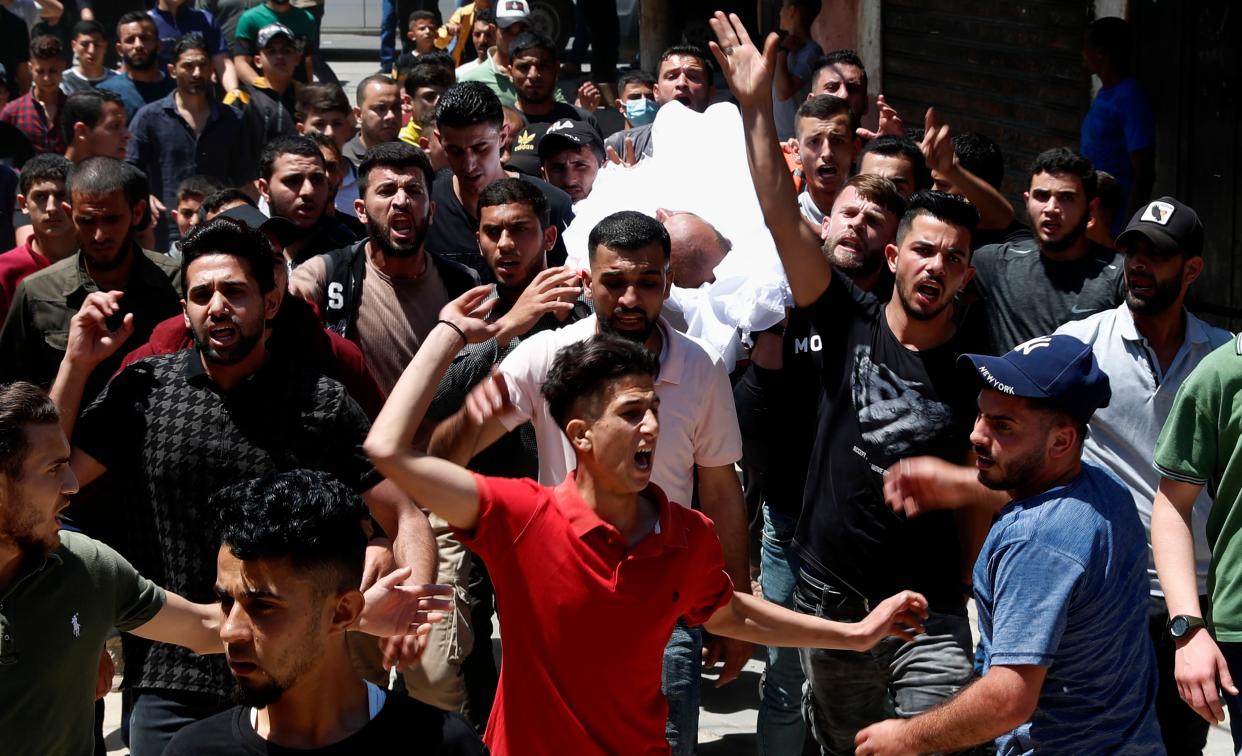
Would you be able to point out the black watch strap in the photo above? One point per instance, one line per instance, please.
(1180, 626)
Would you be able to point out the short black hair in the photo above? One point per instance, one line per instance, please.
(530, 40)
(634, 75)
(1111, 36)
(891, 145)
(292, 144)
(21, 404)
(308, 516)
(102, 175)
(46, 47)
(323, 140)
(628, 230)
(981, 156)
(427, 75)
(692, 51)
(485, 15)
(1065, 160)
(942, 206)
(186, 43)
(396, 155)
(322, 98)
(87, 27)
(199, 186)
(213, 202)
(134, 17)
(826, 107)
(422, 15)
(515, 191)
(468, 103)
(581, 371)
(45, 167)
(228, 236)
(85, 107)
(377, 78)
(846, 56)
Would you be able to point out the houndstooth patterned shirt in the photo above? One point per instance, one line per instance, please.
(172, 437)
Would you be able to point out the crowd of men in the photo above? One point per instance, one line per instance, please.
(305, 371)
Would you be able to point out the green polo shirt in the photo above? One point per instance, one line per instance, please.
(36, 331)
(1200, 444)
(487, 73)
(54, 620)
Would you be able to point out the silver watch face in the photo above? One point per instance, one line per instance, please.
(1179, 627)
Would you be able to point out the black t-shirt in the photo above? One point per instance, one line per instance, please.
(402, 726)
(14, 48)
(1016, 232)
(526, 142)
(1025, 294)
(879, 402)
(453, 229)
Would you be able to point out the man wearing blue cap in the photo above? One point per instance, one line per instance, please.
(1060, 584)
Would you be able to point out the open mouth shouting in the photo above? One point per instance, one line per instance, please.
(1141, 286)
(927, 292)
(643, 459)
(223, 335)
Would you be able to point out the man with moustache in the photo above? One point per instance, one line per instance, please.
(107, 202)
(294, 184)
(887, 387)
(179, 427)
(217, 138)
(143, 81)
(1031, 290)
(386, 291)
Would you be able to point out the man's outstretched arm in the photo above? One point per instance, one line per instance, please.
(749, 72)
(440, 486)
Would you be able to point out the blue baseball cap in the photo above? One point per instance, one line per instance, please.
(1059, 370)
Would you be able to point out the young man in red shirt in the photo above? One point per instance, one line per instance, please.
(590, 575)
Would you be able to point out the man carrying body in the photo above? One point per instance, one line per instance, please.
(42, 196)
(93, 121)
(378, 114)
(470, 128)
(605, 541)
(294, 184)
(1030, 290)
(107, 202)
(287, 574)
(90, 47)
(180, 426)
(887, 388)
(144, 80)
(37, 112)
(628, 284)
(189, 121)
(684, 75)
(1060, 585)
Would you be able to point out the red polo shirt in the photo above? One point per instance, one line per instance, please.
(15, 265)
(585, 619)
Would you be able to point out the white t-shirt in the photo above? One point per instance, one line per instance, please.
(698, 421)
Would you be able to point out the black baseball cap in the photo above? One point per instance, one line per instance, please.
(572, 134)
(280, 227)
(1171, 227)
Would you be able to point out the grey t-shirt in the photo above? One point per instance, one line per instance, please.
(644, 147)
(1026, 294)
(72, 81)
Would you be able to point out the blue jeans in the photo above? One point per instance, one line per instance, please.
(683, 662)
(849, 690)
(158, 715)
(780, 727)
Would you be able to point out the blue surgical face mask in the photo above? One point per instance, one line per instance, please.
(640, 111)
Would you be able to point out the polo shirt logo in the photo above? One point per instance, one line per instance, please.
(77, 628)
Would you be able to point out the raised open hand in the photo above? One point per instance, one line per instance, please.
(748, 70)
(937, 144)
(890, 121)
(467, 313)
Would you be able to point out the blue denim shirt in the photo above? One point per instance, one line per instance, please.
(1061, 583)
(164, 147)
(187, 20)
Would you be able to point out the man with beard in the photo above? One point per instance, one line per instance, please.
(887, 388)
(216, 137)
(1030, 291)
(42, 196)
(287, 574)
(385, 291)
(294, 184)
(107, 203)
(779, 395)
(178, 427)
(684, 75)
(826, 149)
(628, 282)
(144, 82)
(1060, 584)
(470, 126)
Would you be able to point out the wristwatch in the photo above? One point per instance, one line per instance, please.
(1180, 626)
